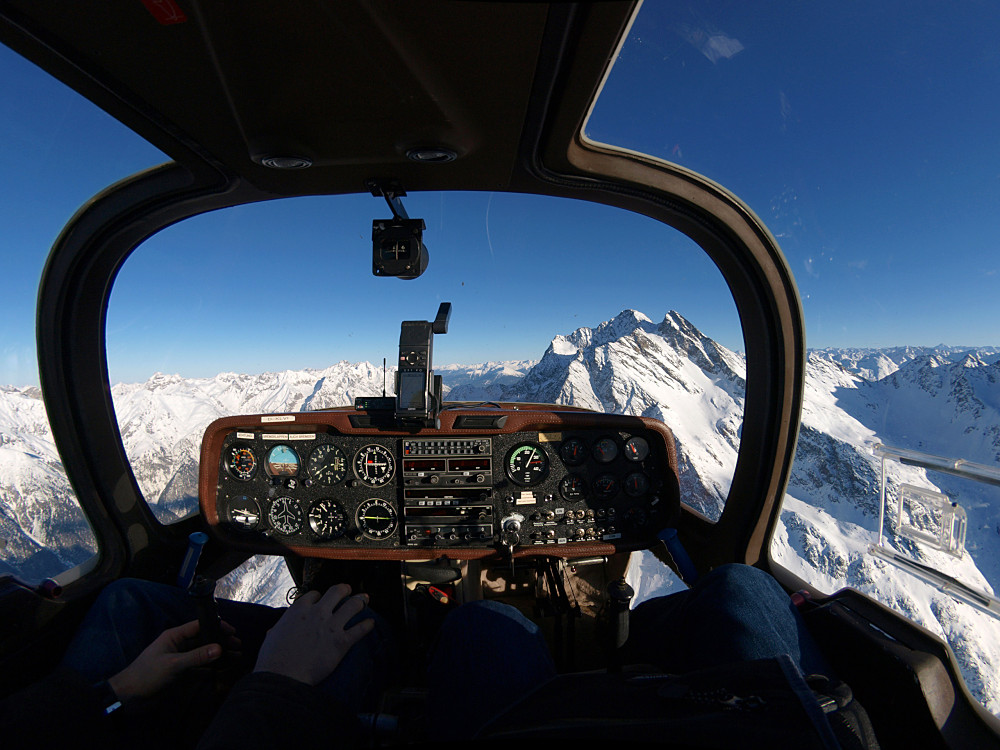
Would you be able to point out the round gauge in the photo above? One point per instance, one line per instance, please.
(327, 519)
(636, 484)
(573, 452)
(327, 464)
(285, 516)
(282, 461)
(636, 518)
(527, 464)
(241, 462)
(244, 512)
(636, 449)
(374, 466)
(605, 487)
(376, 518)
(605, 450)
(573, 488)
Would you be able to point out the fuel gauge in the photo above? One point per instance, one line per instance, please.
(605, 450)
(636, 449)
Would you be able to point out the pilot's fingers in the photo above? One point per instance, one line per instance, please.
(232, 642)
(196, 657)
(348, 609)
(304, 600)
(358, 631)
(174, 639)
(334, 596)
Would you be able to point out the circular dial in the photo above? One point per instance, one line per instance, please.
(605, 450)
(282, 461)
(636, 449)
(244, 512)
(573, 488)
(374, 466)
(285, 516)
(327, 464)
(241, 462)
(605, 487)
(527, 464)
(376, 518)
(327, 518)
(636, 518)
(636, 484)
(573, 452)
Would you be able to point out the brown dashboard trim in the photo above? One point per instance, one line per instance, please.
(519, 419)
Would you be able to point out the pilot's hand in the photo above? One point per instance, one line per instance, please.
(164, 659)
(311, 639)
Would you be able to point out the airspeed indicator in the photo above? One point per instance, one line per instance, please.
(241, 462)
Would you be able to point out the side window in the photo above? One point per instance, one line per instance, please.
(59, 150)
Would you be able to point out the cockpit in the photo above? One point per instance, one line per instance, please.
(500, 302)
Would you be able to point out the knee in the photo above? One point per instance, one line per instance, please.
(744, 582)
(486, 615)
(126, 595)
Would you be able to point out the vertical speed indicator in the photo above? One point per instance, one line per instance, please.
(527, 464)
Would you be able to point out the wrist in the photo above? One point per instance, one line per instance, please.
(108, 697)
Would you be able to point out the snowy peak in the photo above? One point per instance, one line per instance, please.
(876, 364)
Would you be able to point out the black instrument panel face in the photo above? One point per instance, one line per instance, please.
(329, 491)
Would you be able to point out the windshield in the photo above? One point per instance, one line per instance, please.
(274, 307)
(865, 138)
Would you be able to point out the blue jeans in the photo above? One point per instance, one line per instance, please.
(489, 655)
(129, 614)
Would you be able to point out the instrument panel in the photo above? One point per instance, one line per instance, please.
(327, 484)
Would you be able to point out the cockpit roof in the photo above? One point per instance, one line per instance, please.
(357, 89)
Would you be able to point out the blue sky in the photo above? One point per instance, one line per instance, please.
(865, 138)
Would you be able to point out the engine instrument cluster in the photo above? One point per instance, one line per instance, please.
(544, 482)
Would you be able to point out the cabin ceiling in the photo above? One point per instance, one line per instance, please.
(350, 85)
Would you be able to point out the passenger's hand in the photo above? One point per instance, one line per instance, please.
(164, 659)
(311, 639)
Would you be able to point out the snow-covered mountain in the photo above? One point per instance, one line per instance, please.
(944, 400)
(875, 364)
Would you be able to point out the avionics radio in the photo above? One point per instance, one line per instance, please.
(448, 492)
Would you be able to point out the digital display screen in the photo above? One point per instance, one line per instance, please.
(469, 464)
(412, 391)
(423, 464)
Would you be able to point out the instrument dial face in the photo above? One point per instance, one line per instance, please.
(244, 512)
(376, 518)
(327, 464)
(573, 488)
(285, 516)
(327, 519)
(527, 464)
(374, 466)
(636, 449)
(573, 452)
(605, 487)
(636, 484)
(605, 450)
(241, 462)
(282, 461)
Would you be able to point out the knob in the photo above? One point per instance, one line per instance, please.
(510, 535)
(435, 479)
